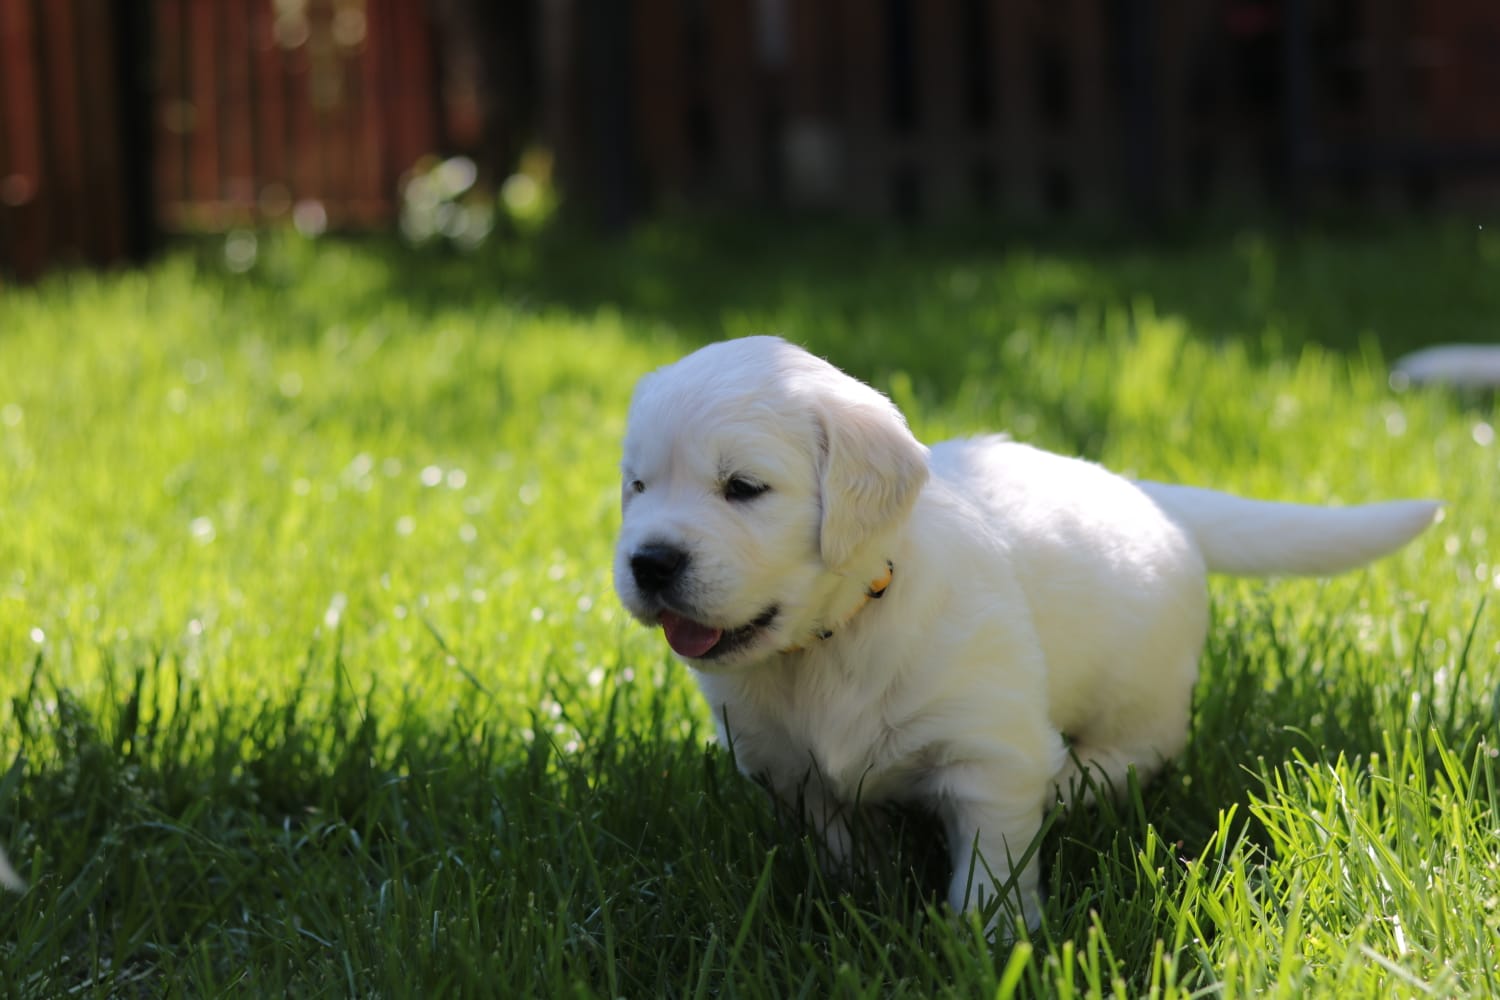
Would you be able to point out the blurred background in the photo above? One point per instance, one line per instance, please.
(124, 122)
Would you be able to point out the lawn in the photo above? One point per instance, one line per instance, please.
(312, 680)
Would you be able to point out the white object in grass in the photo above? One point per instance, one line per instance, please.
(8, 877)
(1467, 366)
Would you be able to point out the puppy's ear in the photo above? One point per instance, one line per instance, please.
(873, 469)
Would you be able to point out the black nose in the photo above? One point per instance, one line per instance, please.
(656, 567)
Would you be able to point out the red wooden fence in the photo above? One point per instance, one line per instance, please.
(924, 108)
(123, 118)
(265, 106)
(1022, 108)
(61, 175)
(250, 108)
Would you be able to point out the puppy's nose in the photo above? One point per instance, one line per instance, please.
(656, 566)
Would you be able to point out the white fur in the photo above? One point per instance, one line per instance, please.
(1045, 615)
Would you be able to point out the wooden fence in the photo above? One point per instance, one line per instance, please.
(1019, 108)
(906, 108)
(1408, 104)
(263, 107)
(63, 173)
(123, 119)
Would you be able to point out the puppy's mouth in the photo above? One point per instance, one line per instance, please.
(697, 641)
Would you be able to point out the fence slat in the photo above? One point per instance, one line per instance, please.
(235, 56)
(662, 95)
(331, 111)
(269, 120)
(1014, 35)
(1463, 59)
(943, 152)
(169, 121)
(374, 190)
(1094, 144)
(811, 148)
(380, 179)
(63, 130)
(861, 25)
(103, 238)
(204, 169)
(22, 197)
(1159, 66)
(412, 94)
(813, 59)
(734, 91)
(303, 149)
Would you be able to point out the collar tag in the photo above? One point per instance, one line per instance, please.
(874, 592)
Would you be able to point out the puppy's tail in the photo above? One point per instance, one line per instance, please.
(1258, 538)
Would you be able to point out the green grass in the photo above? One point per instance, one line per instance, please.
(312, 681)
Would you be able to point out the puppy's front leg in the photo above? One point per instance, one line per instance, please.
(824, 814)
(763, 752)
(989, 835)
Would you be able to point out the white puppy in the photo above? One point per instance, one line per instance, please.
(1037, 615)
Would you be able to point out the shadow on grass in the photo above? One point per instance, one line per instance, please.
(885, 299)
(939, 316)
(950, 321)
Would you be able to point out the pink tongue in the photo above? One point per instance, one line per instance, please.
(687, 637)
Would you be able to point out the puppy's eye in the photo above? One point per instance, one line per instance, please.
(739, 489)
(636, 486)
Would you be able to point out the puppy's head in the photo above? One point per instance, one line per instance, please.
(754, 475)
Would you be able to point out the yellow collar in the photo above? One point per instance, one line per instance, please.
(874, 592)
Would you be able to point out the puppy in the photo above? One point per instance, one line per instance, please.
(967, 628)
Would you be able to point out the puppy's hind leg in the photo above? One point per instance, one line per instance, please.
(1094, 771)
(1140, 737)
(992, 827)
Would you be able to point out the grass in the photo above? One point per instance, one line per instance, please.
(312, 681)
